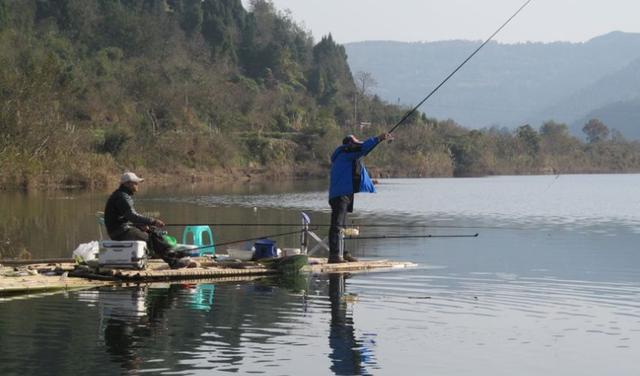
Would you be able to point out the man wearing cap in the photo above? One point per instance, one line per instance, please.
(119, 214)
(123, 222)
(348, 176)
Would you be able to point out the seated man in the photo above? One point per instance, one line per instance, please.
(124, 223)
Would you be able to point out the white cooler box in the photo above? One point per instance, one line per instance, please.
(123, 254)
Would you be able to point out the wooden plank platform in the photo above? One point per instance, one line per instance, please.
(42, 277)
(66, 276)
(320, 266)
(40, 283)
(157, 270)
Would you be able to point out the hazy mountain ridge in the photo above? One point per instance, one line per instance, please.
(615, 99)
(505, 84)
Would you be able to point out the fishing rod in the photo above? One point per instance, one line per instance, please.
(409, 237)
(373, 225)
(414, 109)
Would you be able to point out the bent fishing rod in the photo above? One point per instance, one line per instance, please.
(414, 109)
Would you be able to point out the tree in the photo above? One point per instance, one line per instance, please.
(191, 21)
(596, 131)
(556, 139)
(553, 130)
(529, 138)
(4, 15)
(364, 81)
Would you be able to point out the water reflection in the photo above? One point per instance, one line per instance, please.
(122, 312)
(184, 327)
(347, 353)
(390, 323)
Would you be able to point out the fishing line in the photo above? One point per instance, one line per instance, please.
(553, 182)
(408, 114)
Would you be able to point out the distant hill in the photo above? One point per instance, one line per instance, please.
(615, 99)
(506, 84)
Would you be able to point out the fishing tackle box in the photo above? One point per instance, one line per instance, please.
(123, 254)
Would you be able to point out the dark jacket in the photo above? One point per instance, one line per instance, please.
(348, 174)
(119, 213)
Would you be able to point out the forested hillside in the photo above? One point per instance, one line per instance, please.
(197, 89)
(89, 87)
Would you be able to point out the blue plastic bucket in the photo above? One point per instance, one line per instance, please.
(265, 248)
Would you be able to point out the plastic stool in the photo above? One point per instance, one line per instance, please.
(198, 240)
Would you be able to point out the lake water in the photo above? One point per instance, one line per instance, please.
(550, 286)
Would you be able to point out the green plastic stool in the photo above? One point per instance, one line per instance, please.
(198, 234)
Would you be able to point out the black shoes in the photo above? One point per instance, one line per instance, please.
(337, 260)
(348, 258)
(184, 262)
(340, 260)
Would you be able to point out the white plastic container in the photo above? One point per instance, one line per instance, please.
(290, 252)
(123, 254)
(240, 254)
(351, 231)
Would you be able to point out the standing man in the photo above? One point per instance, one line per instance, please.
(348, 176)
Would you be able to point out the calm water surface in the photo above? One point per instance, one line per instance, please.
(551, 286)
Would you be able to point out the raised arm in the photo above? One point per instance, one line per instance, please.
(371, 143)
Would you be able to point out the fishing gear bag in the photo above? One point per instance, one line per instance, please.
(161, 243)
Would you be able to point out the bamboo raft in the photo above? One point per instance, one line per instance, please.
(35, 278)
(29, 277)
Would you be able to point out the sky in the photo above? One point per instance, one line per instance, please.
(433, 20)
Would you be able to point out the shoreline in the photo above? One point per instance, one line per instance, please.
(231, 176)
(153, 178)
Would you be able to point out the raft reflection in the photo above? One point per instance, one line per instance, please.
(181, 327)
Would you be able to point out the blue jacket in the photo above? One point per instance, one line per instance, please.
(348, 174)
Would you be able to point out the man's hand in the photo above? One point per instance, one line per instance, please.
(158, 223)
(385, 136)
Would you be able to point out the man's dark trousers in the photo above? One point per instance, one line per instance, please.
(340, 206)
(132, 233)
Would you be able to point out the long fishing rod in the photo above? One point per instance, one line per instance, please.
(408, 114)
(409, 237)
(373, 225)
